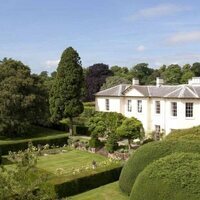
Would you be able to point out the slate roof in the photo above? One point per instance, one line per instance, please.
(164, 91)
(113, 91)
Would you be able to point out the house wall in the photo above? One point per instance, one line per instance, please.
(167, 122)
(181, 121)
(143, 116)
(114, 104)
(148, 117)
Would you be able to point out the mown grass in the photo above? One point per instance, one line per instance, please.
(34, 134)
(72, 161)
(67, 161)
(107, 192)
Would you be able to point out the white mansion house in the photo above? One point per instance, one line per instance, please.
(161, 108)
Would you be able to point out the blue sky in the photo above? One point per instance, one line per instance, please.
(114, 32)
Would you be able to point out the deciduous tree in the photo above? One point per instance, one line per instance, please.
(131, 129)
(22, 98)
(95, 78)
(113, 81)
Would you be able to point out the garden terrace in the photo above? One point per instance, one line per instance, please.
(73, 171)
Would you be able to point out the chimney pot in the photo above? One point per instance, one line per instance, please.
(135, 81)
(159, 81)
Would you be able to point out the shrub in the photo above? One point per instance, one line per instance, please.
(111, 143)
(185, 134)
(25, 180)
(174, 177)
(94, 142)
(149, 153)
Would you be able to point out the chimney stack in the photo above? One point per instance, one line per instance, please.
(135, 81)
(194, 81)
(159, 81)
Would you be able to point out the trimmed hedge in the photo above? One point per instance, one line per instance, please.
(148, 153)
(174, 177)
(85, 183)
(23, 144)
(185, 134)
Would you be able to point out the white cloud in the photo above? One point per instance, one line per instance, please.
(51, 63)
(193, 36)
(141, 48)
(180, 59)
(157, 11)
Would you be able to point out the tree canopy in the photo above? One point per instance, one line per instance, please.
(112, 81)
(95, 78)
(22, 98)
(131, 129)
(65, 95)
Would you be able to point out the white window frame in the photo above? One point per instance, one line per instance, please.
(189, 109)
(139, 106)
(107, 104)
(157, 107)
(174, 110)
(129, 105)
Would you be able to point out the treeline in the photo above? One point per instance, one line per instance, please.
(100, 76)
(42, 99)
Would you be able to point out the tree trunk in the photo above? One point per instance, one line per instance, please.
(71, 130)
(129, 144)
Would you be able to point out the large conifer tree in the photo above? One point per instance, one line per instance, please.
(66, 91)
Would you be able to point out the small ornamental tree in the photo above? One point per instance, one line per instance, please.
(105, 124)
(131, 129)
(112, 142)
(65, 93)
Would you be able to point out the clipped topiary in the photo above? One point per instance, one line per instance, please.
(148, 153)
(185, 134)
(174, 177)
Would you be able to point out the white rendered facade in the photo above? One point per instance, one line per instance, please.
(177, 108)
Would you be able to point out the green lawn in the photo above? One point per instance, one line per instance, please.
(74, 164)
(34, 134)
(107, 192)
(68, 161)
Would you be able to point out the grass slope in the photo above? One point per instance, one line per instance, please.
(107, 192)
(35, 133)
